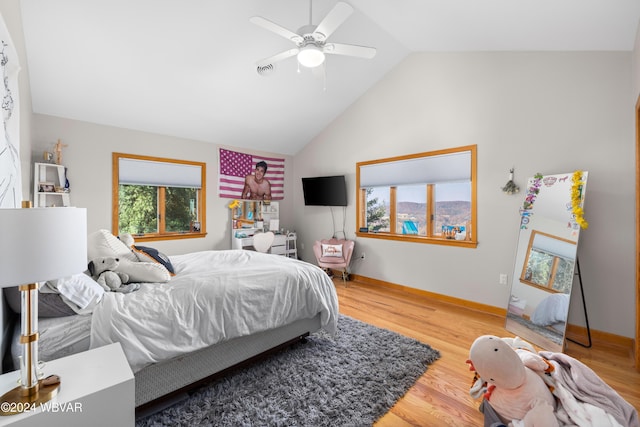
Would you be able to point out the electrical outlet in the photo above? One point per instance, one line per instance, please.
(503, 279)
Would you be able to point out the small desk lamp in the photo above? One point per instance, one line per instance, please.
(38, 244)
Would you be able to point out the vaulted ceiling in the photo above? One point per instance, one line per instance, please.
(187, 68)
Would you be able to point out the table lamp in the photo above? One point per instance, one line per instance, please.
(38, 244)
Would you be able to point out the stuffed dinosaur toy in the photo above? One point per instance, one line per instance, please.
(105, 272)
(514, 389)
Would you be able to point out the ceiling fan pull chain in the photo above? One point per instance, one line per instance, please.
(324, 77)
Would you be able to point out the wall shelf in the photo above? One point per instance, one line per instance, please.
(49, 186)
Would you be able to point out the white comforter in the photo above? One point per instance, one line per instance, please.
(214, 296)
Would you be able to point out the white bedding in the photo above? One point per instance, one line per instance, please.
(58, 337)
(214, 296)
(552, 310)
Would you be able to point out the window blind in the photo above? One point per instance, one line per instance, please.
(159, 174)
(554, 246)
(452, 167)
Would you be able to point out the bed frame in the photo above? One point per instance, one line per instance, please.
(161, 384)
(164, 382)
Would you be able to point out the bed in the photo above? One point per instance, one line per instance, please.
(219, 310)
(552, 312)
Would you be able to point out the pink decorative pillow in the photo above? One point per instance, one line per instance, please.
(331, 250)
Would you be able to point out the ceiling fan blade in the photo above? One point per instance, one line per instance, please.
(275, 28)
(340, 12)
(350, 50)
(278, 57)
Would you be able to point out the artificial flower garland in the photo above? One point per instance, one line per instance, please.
(576, 199)
(532, 193)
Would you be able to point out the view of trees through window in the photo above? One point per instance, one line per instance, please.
(377, 210)
(549, 271)
(156, 198)
(139, 210)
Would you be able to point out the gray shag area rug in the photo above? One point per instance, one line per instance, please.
(350, 380)
(547, 332)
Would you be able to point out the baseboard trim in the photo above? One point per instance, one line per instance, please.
(497, 311)
(599, 339)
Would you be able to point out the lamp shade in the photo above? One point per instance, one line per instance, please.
(40, 244)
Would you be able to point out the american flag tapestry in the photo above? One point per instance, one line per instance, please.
(235, 166)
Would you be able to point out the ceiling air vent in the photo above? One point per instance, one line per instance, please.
(265, 70)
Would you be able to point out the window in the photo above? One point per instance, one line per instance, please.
(550, 262)
(156, 198)
(426, 197)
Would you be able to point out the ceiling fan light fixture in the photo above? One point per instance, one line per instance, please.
(310, 56)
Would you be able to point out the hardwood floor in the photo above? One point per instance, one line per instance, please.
(441, 395)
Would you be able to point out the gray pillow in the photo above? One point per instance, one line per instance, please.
(49, 304)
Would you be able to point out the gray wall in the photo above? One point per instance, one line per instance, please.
(10, 11)
(537, 112)
(88, 159)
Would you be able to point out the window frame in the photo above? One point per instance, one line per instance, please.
(161, 235)
(361, 204)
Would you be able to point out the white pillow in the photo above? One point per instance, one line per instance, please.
(80, 289)
(102, 243)
(127, 239)
(332, 250)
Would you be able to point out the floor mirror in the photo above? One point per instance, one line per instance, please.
(546, 258)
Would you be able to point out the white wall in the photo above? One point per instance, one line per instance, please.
(538, 112)
(88, 159)
(10, 11)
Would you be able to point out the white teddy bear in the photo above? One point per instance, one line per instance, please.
(104, 271)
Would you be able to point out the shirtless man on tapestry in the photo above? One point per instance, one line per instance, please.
(256, 186)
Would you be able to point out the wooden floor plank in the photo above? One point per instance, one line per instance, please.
(441, 395)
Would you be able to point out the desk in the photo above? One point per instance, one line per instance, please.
(283, 244)
(97, 389)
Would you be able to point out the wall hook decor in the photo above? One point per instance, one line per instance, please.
(510, 187)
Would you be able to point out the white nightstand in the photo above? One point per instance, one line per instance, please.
(97, 389)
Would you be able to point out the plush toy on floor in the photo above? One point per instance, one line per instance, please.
(513, 388)
(104, 271)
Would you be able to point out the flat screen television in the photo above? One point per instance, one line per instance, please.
(325, 191)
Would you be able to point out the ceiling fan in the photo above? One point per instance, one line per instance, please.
(311, 40)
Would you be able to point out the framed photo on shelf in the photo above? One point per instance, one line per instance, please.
(46, 187)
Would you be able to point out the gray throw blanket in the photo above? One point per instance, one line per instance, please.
(586, 386)
(491, 417)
